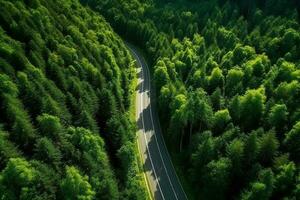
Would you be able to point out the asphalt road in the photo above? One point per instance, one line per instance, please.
(161, 176)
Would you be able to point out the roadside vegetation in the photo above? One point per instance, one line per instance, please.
(227, 78)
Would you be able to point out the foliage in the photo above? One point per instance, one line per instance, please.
(65, 79)
(226, 74)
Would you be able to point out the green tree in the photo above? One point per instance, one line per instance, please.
(161, 75)
(284, 180)
(268, 148)
(216, 79)
(7, 149)
(92, 156)
(262, 189)
(235, 152)
(216, 179)
(46, 151)
(17, 177)
(204, 153)
(76, 186)
(217, 99)
(278, 116)
(291, 141)
(234, 82)
(221, 120)
(252, 106)
(290, 38)
(50, 126)
(251, 149)
(198, 110)
(242, 54)
(226, 38)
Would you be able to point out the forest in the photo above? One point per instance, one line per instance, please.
(65, 95)
(226, 74)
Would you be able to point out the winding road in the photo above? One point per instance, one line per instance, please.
(160, 173)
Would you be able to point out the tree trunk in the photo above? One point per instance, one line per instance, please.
(191, 131)
(181, 140)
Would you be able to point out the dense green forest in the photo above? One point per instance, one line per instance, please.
(227, 78)
(65, 94)
(226, 75)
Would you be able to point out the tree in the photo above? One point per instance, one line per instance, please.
(17, 178)
(198, 111)
(15, 115)
(108, 106)
(257, 191)
(127, 158)
(242, 54)
(46, 151)
(7, 86)
(234, 82)
(217, 99)
(47, 184)
(252, 106)
(285, 71)
(291, 141)
(50, 126)
(296, 191)
(7, 149)
(93, 158)
(221, 119)
(216, 79)
(235, 152)
(76, 186)
(268, 148)
(69, 54)
(120, 131)
(262, 189)
(278, 116)
(226, 38)
(203, 154)
(235, 109)
(216, 179)
(290, 38)
(165, 97)
(284, 180)
(178, 122)
(251, 149)
(87, 121)
(258, 66)
(161, 75)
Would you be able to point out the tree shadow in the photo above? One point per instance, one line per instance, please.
(140, 88)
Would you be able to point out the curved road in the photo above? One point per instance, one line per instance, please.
(161, 176)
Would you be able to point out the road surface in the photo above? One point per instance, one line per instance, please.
(161, 176)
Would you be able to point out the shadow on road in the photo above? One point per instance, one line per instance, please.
(148, 134)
